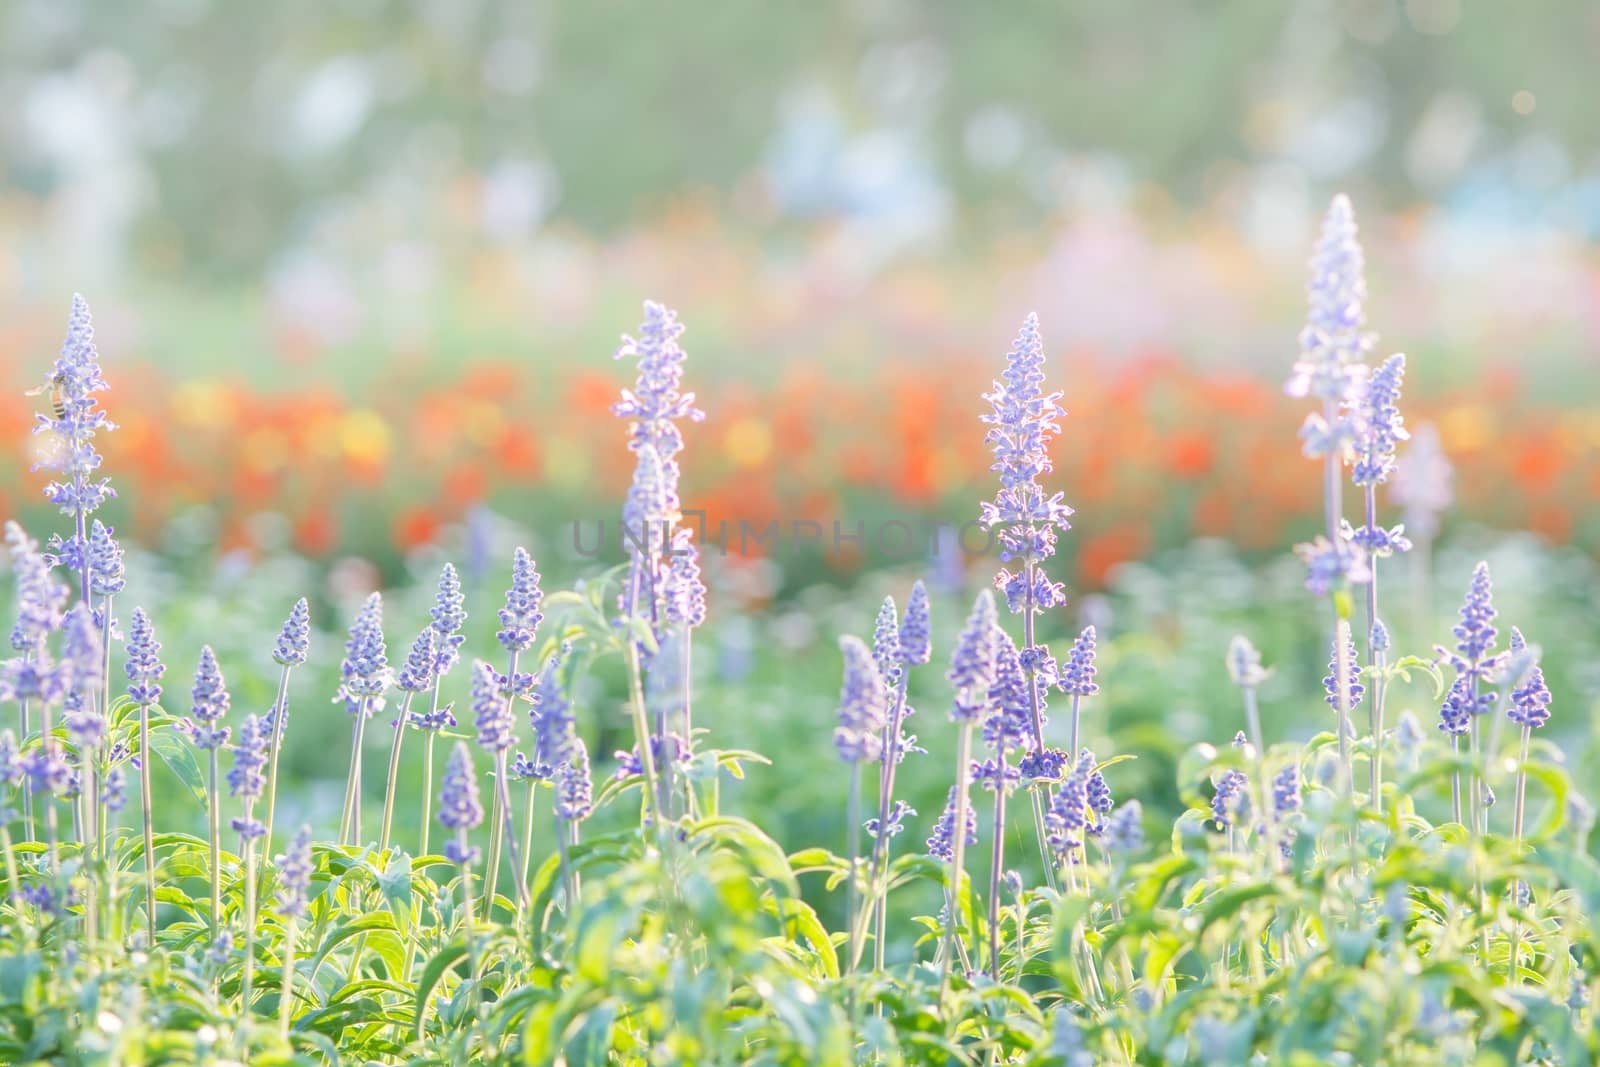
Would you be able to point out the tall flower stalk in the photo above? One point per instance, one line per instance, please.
(247, 781)
(448, 615)
(461, 812)
(1021, 423)
(519, 624)
(31, 678)
(1529, 710)
(294, 883)
(144, 669)
(1332, 369)
(365, 678)
(1004, 729)
(291, 650)
(1381, 431)
(858, 739)
(209, 704)
(971, 674)
(415, 676)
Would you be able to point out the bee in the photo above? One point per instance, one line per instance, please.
(57, 388)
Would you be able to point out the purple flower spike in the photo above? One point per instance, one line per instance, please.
(491, 710)
(1335, 342)
(972, 664)
(552, 719)
(656, 401)
(1382, 427)
(366, 662)
(107, 575)
(294, 640)
(247, 778)
(459, 807)
(449, 615)
(416, 674)
(685, 593)
(1353, 687)
(886, 645)
(574, 787)
(1230, 798)
(1007, 726)
(1530, 700)
(1475, 661)
(40, 599)
(1077, 675)
(941, 844)
(294, 875)
(210, 703)
(916, 629)
(859, 736)
(73, 385)
(520, 618)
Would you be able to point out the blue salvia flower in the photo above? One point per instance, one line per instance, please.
(649, 514)
(1098, 793)
(416, 674)
(1244, 664)
(40, 599)
(1021, 424)
(886, 645)
(1230, 798)
(1530, 701)
(552, 719)
(1474, 659)
(294, 640)
(107, 575)
(365, 669)
(859, 736)
(1007, 726)
(114, 790)
(1125, 828)
(916, 629)
(1077, 674)
(427, 719)
(209, 703)
(941, 844)
(144, 666)
(520, 618)
(656, 402)
(490, 710)
(1068, 815)
(1286, 804)
(574, 787)
(1328, 564)
(449, 615)
(247, 779)
(459, 807)
(1335, 342)
(895, 823)
(1353, 688)
(1044, 765)
(524, 769)
(1455, 714)
(81, 669)
(685, 595)
(1382, 427)
(1378, 636)
(972, 661)
(293, 867)
(76, 379)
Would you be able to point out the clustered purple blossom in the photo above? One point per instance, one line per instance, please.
(1354, 690)
(1334, 343)
(144, 666)
(554, 725)
(1007, 725)
(77, 379)
(294, 875)
(1077, 674)
(82, 666)
(894, 824)
(1230, 798)
(209, 703)
(972, 662)
(520, 618)
(491, 710)
(915, 639)
(1021, 424)
(684, 598)
(114, 789)
(1068, 815)
(574, 787)
(1530, 701)
(448, 615)
(859, 735)
(365, 670)
(40, 599)
(416, 673)
(107, 574)
(1045, 764)
(1475, 661)
(246, 779)
(1125, 828)
(1286, 804)
(942, 844)
(886, 646)
(294, 640)
(459, 807)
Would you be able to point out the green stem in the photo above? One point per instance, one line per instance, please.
(641, 730)
(149, 825)
(214, 817)
(394, 771)
(280, 712)
(1518, 808)
(853, 845)
(427, 783)
(878, 906)
(350, 821)
(958, 849)
(286, 997)
(996, 861)
(247, 852)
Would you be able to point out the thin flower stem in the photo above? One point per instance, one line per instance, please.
(29, 831)
(469, 927)
(215, 817)
(1455, 780)
(685, 637)
(853, 847)
(958, 849)
(286, 997)
(149, 825)
(247, 853)
(427, 772)
(400, 727)
(502, 791)
(641, 730)
(569, 877)
(878, 906)
(1518, 809)
(1377, 659)
(996, 861)
(499, 811)
(350, 822)
(280, 712)
(1042, 795)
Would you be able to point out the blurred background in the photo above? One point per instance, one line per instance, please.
(358, 270)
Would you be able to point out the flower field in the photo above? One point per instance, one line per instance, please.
(1136, 785)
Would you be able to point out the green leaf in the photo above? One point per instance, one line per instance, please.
(435, 970)
(178, 754)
